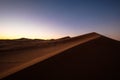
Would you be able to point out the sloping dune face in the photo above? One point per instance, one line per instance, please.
(16, 55)
(87, 59)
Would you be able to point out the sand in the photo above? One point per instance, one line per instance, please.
(14, 59)
(97, 59)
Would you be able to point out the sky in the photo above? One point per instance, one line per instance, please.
(47, 19)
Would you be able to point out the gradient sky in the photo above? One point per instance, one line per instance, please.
(57, 18)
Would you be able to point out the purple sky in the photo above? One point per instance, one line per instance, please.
(57, 18)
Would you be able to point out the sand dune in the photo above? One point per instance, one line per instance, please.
(86, 57)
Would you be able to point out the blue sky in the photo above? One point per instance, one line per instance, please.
(57, 18)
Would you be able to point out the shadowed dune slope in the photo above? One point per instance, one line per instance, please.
(98, 59)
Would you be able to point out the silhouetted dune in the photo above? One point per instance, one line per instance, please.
(64, 38)
(96, 59)
(24, 43)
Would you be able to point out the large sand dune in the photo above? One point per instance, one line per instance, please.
(87, 57)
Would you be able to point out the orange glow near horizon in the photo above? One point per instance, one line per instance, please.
(27, 36)
(14, 29)
(30, 36)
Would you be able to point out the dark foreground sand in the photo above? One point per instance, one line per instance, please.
(97, 59)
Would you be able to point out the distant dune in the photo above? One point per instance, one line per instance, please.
(86, 57)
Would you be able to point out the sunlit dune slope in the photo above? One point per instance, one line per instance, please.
(86, 57)
(24, 43)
